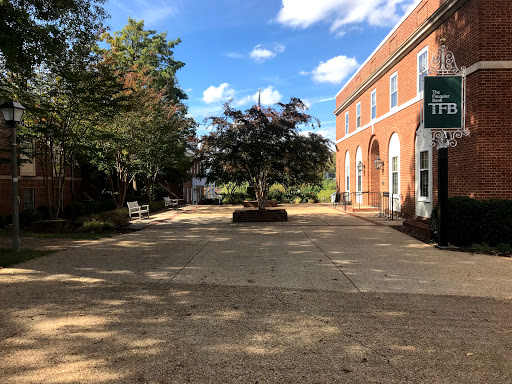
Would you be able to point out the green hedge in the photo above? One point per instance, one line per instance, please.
(477, 221)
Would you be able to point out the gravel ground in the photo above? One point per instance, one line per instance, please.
(324, 298)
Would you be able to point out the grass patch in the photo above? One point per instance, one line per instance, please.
(69, 235)
(500, 250)
(8, 257)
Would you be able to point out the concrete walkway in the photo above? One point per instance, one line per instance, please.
(192, 297)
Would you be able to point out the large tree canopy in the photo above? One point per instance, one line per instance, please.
(150, 135)
(147, 54)
(264, 147)
(33, 32)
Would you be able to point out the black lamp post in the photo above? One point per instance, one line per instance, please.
(12, 112)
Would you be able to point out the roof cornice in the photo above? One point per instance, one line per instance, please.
(441, 14)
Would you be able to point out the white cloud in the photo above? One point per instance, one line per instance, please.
(235, 55)
(338, 13)
(215, 94)
(334, 70)
(269, 96)
(260, 54)
(327, 132)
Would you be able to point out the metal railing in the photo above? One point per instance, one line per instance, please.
(387, 203)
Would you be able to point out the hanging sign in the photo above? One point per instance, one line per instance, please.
(443, 102)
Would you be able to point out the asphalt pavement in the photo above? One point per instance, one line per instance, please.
(192, 297)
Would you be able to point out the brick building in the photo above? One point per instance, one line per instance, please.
(31, 187)
(378, 112)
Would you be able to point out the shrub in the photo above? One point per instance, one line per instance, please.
(97, 226)
(325, 195)
(496, 222)
(276, 192)
(75, 209)
(476, 221)
(97, 206)
(27, 216)
(45, 211)
(235, 198)
(117, 217)
(156, 206)
(505, 248)
(297, 200)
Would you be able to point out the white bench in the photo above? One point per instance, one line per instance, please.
(173, 203)
(135, 209)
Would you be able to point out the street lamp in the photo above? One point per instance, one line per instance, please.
(12, 112)
(360, 166)
(378, 163)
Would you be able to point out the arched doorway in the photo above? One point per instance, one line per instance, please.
(374, 173)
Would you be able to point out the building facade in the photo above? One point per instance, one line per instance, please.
(197, 189)
(32, 191)
(379, 110)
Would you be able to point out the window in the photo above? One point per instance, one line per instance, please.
(422, 68)
(374, 104)
(394, 172)
(346, 123)
(424, 174)
(393, 89)
(358, 115)
(347, 172)
(347, 178)
(28, 198)
(27, 160)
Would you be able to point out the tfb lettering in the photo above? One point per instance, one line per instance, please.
(438, 108)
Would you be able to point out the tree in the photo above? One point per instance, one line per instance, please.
(264, 147)
(47, 63)
(147, 54)
(64, 99)
(34, 32)
(151, 133)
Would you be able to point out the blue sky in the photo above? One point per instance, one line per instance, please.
(288, 48)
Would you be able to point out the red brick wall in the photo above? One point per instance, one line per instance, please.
(35, 182)
(481, 165)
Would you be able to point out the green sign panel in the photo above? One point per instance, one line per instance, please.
(443, 102)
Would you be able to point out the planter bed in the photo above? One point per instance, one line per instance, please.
(255, 215)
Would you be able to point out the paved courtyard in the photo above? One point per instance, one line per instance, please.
(192, 297)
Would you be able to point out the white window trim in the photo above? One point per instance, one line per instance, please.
(430, 190)
(358, 106)
(394, 75)
(420, 94)
(347, 126)
(381, 118)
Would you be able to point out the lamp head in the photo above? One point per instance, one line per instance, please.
(12, 111)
